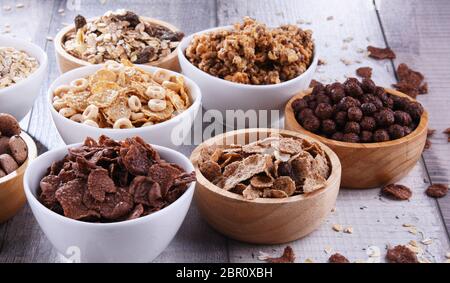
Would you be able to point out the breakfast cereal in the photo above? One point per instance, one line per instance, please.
(13, 149)
(15, 66)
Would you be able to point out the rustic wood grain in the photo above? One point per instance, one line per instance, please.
(428, 52)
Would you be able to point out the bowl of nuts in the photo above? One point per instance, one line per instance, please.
(249, 66)
(123, 100)
(17, 149)
(22, 69)
(113, 201)
(265, 186)
(377, 133)
(117, 35)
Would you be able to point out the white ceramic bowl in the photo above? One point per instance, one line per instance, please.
(138, 240)
(222, 95)
(18, 99)
(169, 133)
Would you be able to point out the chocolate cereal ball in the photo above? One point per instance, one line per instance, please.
(407, 130)
(400, 102)
(324, 111)
(354, 114)
(318, 88)
(368, 123)
(366, 136)
(414, 109)
(350, 137)
(336, 92)
(340, 118)
(353, 88)
(368, 85)
(380, 135)
(323, 98)
(304, 113)
(348, 102)
(352, 127)
(402, 118)
(328, 126)
(385, 118)
(368, 108)
(299, 104)
(311, 123)
(396, 131)
(338, 136)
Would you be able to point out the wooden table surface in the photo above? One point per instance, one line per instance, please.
(419, 33)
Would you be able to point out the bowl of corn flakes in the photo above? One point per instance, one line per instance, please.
(123, 100)
(22, 69)
(249, 65)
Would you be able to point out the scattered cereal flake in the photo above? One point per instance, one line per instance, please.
(337, 227)
(330, 18)
(427, 241)
(328, 250)
(413, 243)
(360, 261)
(20, 5)
(6, 8)
(61, 10)
(263, 256)
(424, 260)
(309, 260)
(348, 39)
(408, 225)
(413, 231)
(49, 38)
(447, 255)
(348, 230)
(360, 50)
(415, 249)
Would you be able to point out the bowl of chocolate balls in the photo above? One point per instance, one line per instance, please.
(377, 133)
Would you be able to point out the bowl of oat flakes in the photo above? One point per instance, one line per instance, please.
(265, 186)
(22, 69)
(249, 65)
(117, 35)
(123, 100)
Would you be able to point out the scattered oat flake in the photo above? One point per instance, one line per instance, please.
(424, 260)
(49, 38)
(61, 10)
(346, 61)
(413, 243)
(330, 18)
(408, 225)
(328, 250)
(373, 251)
(348, 39)
(360, 50)
(263, 256)
(337, 227)
(348, 230)
(309, 260)
(7, 8)
(447, 255)
(427, 241)
(287, 257)
(20, 5)
(412, 231)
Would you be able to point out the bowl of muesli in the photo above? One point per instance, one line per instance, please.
(123, 100)
(108, 200)
(117, 35)
(265, 186)
(22, 69)
(249, 66)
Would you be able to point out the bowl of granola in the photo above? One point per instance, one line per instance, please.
(117, 35)
(249, 66)
(110, 201)
(22, 69)
(265, 186)
(123, 100)
(17, 150)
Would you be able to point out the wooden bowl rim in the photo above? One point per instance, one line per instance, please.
(32, 154)
(334, 174)
(423, 125)
(62, 52)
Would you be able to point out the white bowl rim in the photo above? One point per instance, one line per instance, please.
(40, 69)
(187, 39)
(196, 103)
(32, 198)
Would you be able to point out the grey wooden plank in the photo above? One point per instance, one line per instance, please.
(426, 51)
(195, 240)
(377, 223)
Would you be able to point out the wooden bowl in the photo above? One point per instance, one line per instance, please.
(264, 220)
(368, 165)
(67, 62)
(12, 196)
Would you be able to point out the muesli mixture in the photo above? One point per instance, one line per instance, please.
(274, 167)
(13, 149)
(15, 65)
(119, 35)
(252, 53)
(357, 112)
(122, 96)
(110, 181)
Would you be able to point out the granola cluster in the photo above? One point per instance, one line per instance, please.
(15, 65)
(274, 167)
(120, 35)
(252, 53)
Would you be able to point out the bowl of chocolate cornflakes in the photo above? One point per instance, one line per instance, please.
(249, 65)
(378, 134)
(114, 201)
(123, 100)
(117, 35)
(265, 186)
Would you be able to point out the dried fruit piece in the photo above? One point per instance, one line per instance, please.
(338, 258)
(401, 254)
(380, 53)
(80, 22)
(287, 257)
(437, 190)
(396, 191)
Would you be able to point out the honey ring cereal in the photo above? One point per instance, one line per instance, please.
(90, 123)
(79, 84)
(61, 90)
(77, 118)
(90, 113)
(155, 92)
(59, 104)
(160, 76)
(134, 103)
(67, 112)
(123, 123)
(157, 105)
